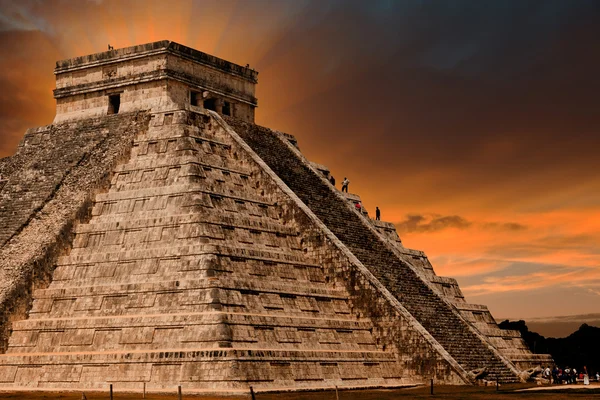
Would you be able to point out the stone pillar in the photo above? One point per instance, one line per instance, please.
(219, 105)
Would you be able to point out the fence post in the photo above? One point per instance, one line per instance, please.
(144, 395)
(111, 392)
(179, 391)
(252, 393)
(431, 385)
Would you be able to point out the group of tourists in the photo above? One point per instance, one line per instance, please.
(345, 183)
(358, 204)
(569, 375)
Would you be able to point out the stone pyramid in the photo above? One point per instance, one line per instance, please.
(154, 235)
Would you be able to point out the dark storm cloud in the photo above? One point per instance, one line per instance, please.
(490, 91)
(460, 108)
(484, 90)
(505, 226)
(581, 244)
(420, 223)
(26, 84)
(434, 223)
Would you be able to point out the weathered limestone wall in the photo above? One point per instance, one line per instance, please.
(212, 79)
(157, 76)
(152, 95)
(56, 170)
(6, 168)
(79, 79)
(388, 230)
(3, 165)
(179, 93)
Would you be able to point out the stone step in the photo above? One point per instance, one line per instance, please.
(463, 306)
(238, 252)
(140, 165)
(231, 220)
(171, 135)
(185, 235)
(160, 320)
(527, 356)
(188, 355)
(177, 140)
(174, 190)
(196, 370)
(189, 330)
(302, 306)
(185, 204)
(216, 199)
(224, 293)
(203, 207)
(189, 337)
(184, 268)
(225, 283)
(190, 172)
(212, 151)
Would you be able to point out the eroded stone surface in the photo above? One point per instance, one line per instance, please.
(48, 186)
(190, 267)
(165, 245)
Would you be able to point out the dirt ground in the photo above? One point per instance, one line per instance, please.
(441, 392)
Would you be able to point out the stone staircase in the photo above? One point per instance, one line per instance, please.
(468, 347)
(190, 271)
(508, 342)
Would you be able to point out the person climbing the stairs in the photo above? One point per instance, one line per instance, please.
(332, 180)
(345, 184)
(377, 214)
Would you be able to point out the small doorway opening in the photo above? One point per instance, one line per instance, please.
(195, 98)
(114, 103)
(210, 104)
(227, 108)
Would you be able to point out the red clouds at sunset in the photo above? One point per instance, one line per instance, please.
(472, 125)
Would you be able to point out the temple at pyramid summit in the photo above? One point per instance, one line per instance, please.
(154, 236)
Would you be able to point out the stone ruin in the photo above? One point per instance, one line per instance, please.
(154, 235)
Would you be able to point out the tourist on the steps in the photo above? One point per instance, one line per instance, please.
(345, 184)
(377, 214)
(586, 376)
(358, 206)
(332, 180)
(547, 374)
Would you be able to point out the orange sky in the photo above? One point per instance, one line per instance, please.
(474, 127)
